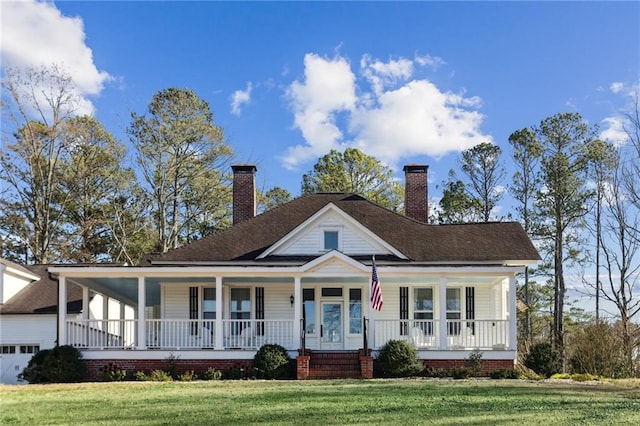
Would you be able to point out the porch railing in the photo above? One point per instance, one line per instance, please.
(102, 334)
(179, 334)
(461, 334)
(251, 334)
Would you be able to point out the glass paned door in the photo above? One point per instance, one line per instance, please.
(332, 325)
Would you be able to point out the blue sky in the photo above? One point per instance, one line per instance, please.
(406, 82)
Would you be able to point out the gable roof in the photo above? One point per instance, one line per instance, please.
(419, 242)
(41, 296)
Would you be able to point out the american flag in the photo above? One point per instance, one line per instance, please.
(376, 291)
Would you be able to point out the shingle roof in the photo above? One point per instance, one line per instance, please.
(41, 297)
(420, 242)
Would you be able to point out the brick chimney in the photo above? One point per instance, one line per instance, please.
(244, 192)
(416, 193)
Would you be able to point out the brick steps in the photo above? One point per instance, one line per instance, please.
(334, 365)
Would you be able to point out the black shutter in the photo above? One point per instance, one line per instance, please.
(470, 297)
(260, 310)
(404, 310)
(193, 309)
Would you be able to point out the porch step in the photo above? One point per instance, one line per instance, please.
(334, 365)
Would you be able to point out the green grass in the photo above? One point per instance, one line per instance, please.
(408, 402)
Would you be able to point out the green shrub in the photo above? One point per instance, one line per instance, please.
(187, 376)
(398, 358)
(62, 364)
(272, 362)
(140, 376)
(159, 376)
(583, 377)
(543, 359)
(211, 374)
(33, 371)
(461, 372)
(561, 376)
(504, 373)
(112, 373)
(237, 372)
(439, 373)
(172, 366)
(474, 362)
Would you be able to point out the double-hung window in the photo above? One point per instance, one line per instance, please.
(454, 311)
(423, 309)
(240, 308)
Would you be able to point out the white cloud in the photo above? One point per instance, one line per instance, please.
(384, 74)
(36, 34)
(433, 62)
(328, 88)
(240, 98)
(396, 119)
(616, 87)
(614, 130)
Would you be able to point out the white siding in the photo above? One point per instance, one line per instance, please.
(484, 306)
(311, 242)
(277, 304)
(175, 300)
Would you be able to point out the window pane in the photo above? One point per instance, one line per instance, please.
(331, 292)
(453, 299)
(355, 311)
(240, 299)
(423, 299)
(330, 240)
(209, 303)
(309, 310)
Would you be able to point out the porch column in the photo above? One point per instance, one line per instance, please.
(142, 321)
(104, 337)
(513, 315)
(442, 329)
(85, 303)
(297, 310)
(122, 325)
(62, 310)
(219, 343)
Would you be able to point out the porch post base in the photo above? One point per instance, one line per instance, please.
(366, 364)
(302, 367)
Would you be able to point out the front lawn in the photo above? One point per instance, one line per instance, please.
(354, 402)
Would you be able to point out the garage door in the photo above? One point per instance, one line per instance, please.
(13, 359)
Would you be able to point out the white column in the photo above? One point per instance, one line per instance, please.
(443, 313)
(297, 310)
(62, 310)
(105, 323)
(123, 338)
(86, 314)
(85, 303)
(219, 343)
(513, 315)
(142, 323)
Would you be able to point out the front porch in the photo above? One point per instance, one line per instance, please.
(218, 316)
(250, 335)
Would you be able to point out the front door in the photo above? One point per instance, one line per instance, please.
(332, 326)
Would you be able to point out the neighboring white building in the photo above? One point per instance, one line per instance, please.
(29, 314)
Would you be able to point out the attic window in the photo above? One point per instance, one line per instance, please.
(331, 240)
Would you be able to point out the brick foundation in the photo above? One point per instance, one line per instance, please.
(94, 366)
